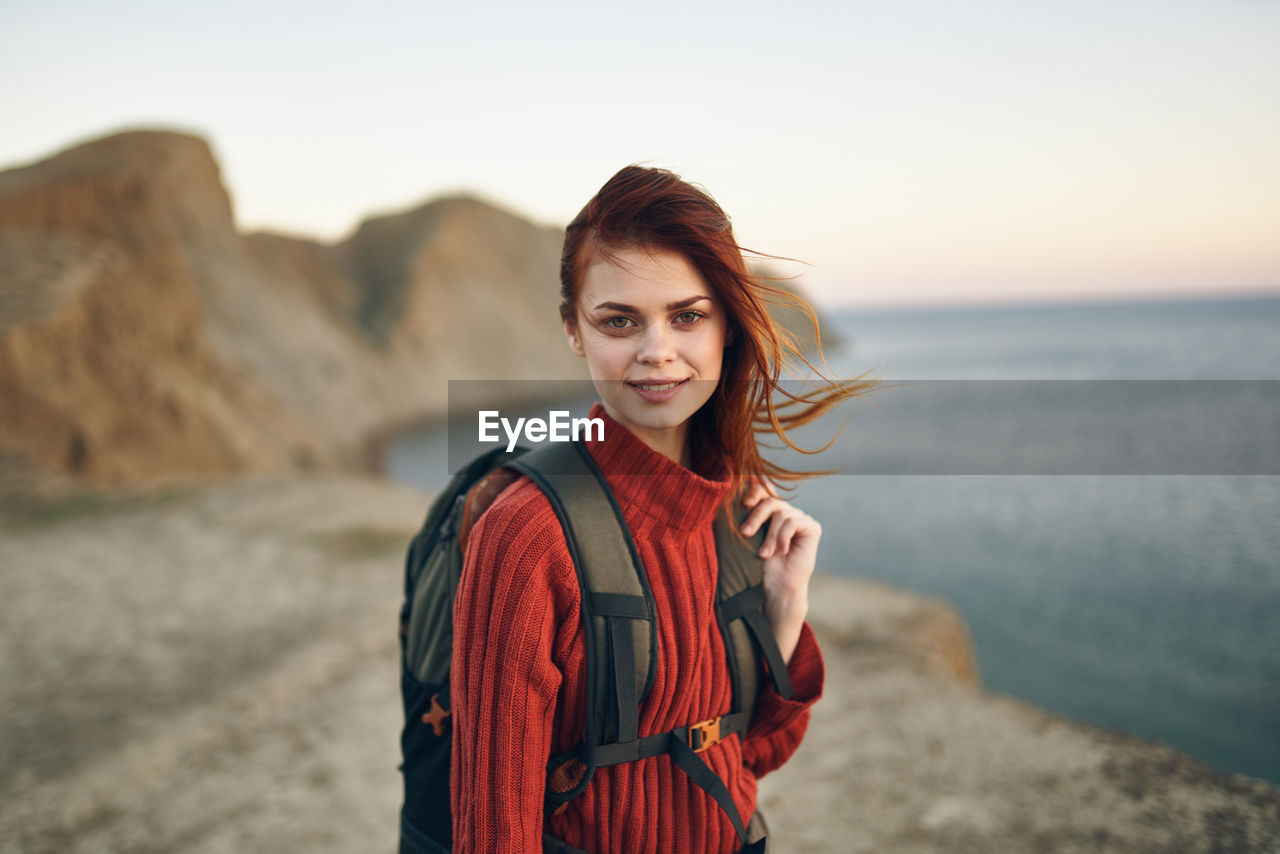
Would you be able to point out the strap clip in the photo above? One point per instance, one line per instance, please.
(704, 734)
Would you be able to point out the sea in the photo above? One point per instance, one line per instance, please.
(1129, 578)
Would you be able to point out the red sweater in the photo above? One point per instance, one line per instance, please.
(519, 662)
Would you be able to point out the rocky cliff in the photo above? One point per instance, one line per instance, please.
(143, 336)
(106, 369)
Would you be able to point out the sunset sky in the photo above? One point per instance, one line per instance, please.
(910, 153)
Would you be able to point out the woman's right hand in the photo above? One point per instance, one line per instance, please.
(790, 551)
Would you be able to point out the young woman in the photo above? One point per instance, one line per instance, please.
(657, 298)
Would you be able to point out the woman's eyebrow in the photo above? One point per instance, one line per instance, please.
(671, 306)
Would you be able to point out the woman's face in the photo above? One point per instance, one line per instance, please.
(653, 334)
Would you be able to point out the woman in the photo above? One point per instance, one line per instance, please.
(657, 298)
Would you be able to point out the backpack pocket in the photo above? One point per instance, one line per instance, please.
(429, 630)
(426, 822)
(426, 743)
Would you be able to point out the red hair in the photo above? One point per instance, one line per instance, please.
(651, 209)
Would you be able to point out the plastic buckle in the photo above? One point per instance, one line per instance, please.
(704, 734)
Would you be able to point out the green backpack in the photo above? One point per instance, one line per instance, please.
(619, 617)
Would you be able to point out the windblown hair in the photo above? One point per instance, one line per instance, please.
(651, 209)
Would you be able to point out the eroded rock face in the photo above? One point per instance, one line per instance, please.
(105, 371)
(142, 336)
(136, 190)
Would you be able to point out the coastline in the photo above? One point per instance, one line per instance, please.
(215, 669)
(907, 752)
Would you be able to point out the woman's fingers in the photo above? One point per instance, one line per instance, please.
(785, 522)
(770, 541)
(762, 510)
(790, 531)
(756, 493)
(787, 533)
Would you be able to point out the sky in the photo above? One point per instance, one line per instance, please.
(907, 154)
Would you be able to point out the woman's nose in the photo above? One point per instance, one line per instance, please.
(657, 346)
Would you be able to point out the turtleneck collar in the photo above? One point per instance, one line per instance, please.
(652, 484)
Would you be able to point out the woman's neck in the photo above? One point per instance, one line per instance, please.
(672, 442)
(649, 483)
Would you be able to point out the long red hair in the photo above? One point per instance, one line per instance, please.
(652, 208)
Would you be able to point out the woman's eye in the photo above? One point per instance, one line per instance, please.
(617, 322)
(688, 317)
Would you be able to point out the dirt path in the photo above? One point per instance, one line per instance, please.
(216, 671)
(212, 672)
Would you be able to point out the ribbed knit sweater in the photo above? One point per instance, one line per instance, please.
(519, 674)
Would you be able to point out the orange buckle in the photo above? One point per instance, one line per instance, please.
(703, 735)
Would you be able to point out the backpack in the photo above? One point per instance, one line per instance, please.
(619, 616)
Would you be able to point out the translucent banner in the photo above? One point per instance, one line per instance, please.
(940, 427)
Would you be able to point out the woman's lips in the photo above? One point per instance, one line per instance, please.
(658, 392)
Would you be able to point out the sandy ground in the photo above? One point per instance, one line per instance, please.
(215, 670)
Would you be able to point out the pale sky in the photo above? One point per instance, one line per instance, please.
(909, 153)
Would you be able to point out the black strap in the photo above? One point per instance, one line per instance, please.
(777, 668)
(624, 677)
(676, 743)
(601, 755)
(619, 605)
(746, 606)
(737, 606)
(707, 780)
(619, 610)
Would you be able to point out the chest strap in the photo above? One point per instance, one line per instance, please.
(683, 744)
(697, 737)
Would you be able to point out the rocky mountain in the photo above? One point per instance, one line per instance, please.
(107, 373)
(143, 336)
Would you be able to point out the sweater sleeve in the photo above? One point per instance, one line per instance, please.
(504, 678)
(779, 725)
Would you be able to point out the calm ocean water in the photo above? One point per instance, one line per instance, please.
(1146, 603)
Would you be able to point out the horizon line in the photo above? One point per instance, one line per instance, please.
(1130, 298)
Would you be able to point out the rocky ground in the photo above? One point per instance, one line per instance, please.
(213, 669)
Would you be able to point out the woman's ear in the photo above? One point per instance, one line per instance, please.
(571, 335)
(729, 335)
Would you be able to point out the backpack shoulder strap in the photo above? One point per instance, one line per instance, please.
(618, 611)
(740, 612)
